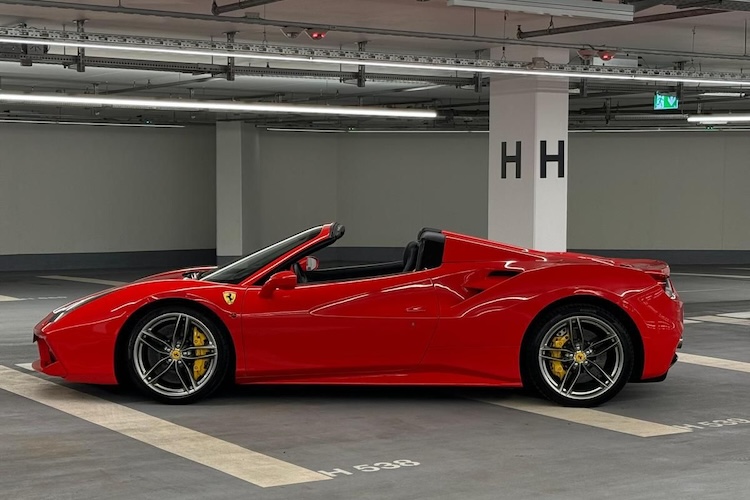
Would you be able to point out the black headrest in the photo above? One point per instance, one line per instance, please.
(410, 255)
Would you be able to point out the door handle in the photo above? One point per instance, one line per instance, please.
(415, 309)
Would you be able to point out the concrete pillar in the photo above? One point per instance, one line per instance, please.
(528, 199)
(238, 215)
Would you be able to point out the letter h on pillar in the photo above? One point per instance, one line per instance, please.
(510, 159)
(559, 158)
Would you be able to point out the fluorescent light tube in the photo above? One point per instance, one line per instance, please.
(573, 8)
(96, 124)
(719, 119)
(722, 94)
(419, 89)
(216, 106)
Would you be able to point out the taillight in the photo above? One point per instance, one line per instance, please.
(668, 288)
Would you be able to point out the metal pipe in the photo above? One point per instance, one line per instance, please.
(217, 69)
(157, 86)
(494, 41)
(680, 14)
(246, 4)
(640, 5)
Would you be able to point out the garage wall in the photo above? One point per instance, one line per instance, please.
(659, 191)
(298, 182)
(392, 185)
(72, 190)
(383, 187)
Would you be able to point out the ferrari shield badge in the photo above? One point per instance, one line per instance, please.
(229, 297)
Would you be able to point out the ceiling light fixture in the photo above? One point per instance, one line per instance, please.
(572, 8)
(235, 107)
(96, 124)
(719, 119)
(419, 89)
(722, 94)
(379, 60)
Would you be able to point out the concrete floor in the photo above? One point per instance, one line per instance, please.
(465, 448)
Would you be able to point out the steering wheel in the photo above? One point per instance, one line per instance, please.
(297, 269)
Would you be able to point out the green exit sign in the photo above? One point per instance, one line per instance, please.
(665, 101)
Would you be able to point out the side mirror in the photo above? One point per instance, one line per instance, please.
(309, 263)
(284, 280)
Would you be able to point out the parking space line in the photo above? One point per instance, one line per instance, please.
(739, 315)
(706, 275)
(5, 298)
(721, 319)
(726, 364)
(689, 321)
(94, 281)
(587, 416)
(25, 366)
(212, 452)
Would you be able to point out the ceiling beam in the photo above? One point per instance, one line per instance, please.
(680, 14)
(363, 30)
(241, 5)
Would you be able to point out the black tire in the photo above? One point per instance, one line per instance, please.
(161, 355)
(577, 355)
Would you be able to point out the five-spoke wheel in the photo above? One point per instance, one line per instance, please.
(177, 355)
(580, 356)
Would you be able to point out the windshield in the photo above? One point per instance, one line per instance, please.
(241, 269)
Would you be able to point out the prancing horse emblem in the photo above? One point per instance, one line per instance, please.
(229, 297)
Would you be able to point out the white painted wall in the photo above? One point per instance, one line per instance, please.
(298, 187)
(392, 185)
(69, 189)
(383, 187)
(87, 189)
(660, 191)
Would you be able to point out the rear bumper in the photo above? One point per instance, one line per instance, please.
(659, 321)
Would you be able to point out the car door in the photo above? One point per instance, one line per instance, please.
(371, 325)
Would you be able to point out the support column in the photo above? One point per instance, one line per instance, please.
(237, 187)
(528, 170)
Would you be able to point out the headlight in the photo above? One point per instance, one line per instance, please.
(63, 310)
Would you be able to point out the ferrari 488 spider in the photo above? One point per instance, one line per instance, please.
(456, 310)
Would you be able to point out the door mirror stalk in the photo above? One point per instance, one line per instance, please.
(284, 280)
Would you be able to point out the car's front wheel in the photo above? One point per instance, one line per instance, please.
(177, 355)
(579, 356)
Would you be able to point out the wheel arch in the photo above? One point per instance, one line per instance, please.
(591, 300)
(122, 338)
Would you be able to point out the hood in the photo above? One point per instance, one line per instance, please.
(188, 272)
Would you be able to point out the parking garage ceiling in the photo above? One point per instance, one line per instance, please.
(689, 36)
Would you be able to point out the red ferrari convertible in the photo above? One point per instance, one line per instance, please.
(457, 310)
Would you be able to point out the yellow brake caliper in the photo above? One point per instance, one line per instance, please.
(556, 366)
(199, 365)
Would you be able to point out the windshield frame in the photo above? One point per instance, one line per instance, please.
(242, 269)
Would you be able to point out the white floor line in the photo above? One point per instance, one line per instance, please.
(223, 456)
(25, 366)
(587, 416)
(721, 319)
(689, 321)
(95, 281)
(5, 298)
(739, 315)
(704, 275)
(726, 364)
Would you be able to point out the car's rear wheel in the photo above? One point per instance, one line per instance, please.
(177, 355)
(579, 356)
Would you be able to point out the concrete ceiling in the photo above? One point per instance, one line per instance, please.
(721, 33)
